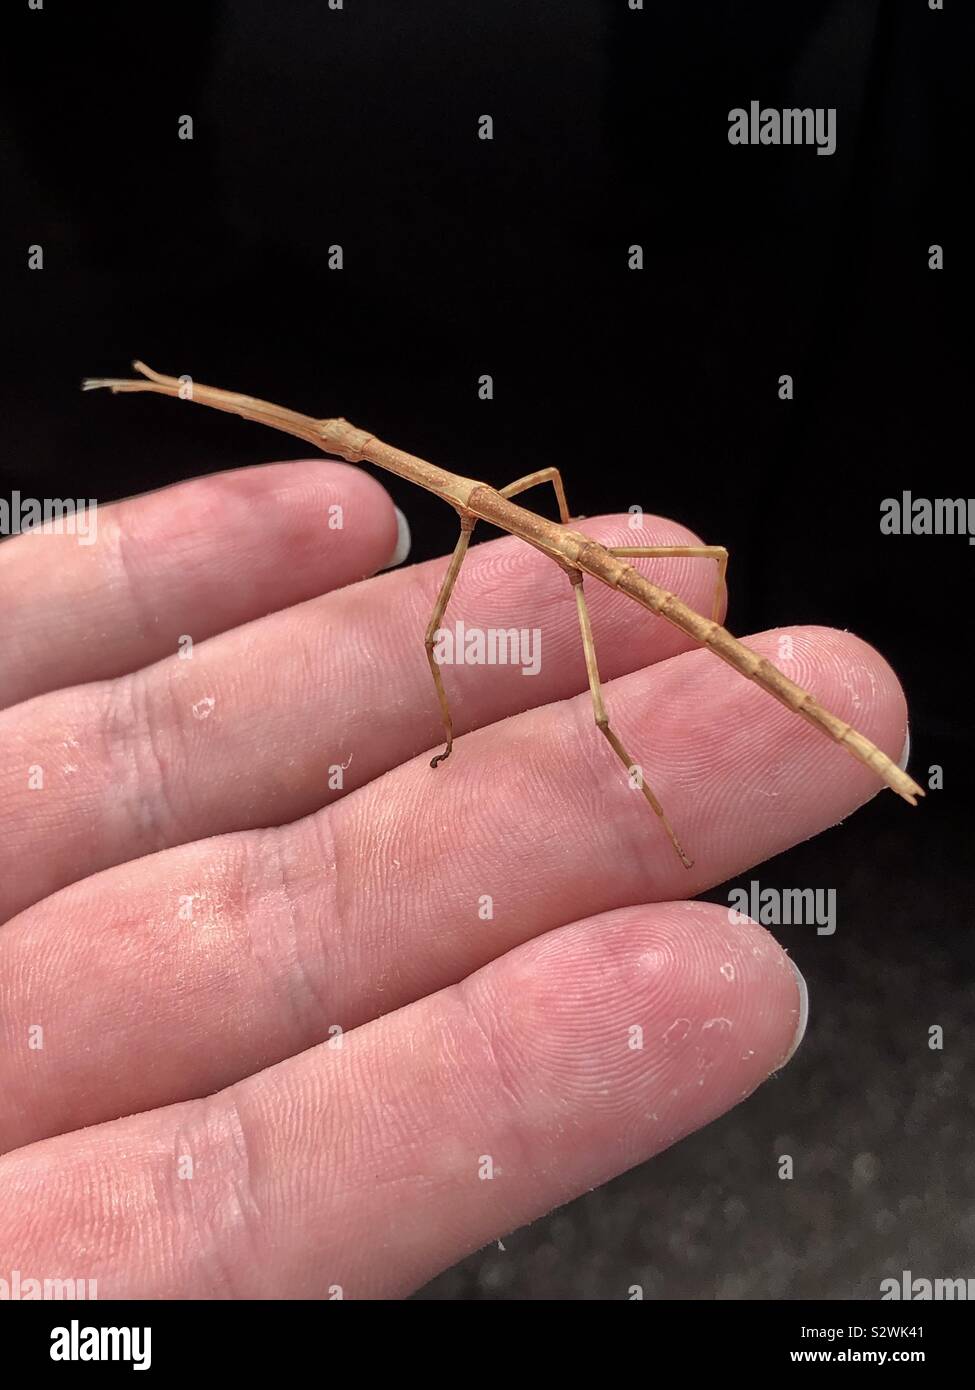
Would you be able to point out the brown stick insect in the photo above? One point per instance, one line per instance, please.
(575, 553)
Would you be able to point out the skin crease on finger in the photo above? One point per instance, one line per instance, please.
(196, 558)
(363, 1167)
(245, 734)
(375, 903)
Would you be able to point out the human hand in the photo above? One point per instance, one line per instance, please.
(354, 1032)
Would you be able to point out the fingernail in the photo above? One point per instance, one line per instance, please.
(902, 763)
(403, 542)
(803, 1014)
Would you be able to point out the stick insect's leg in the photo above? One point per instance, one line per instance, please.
(602, 719)
(544, 475)
(712, 552)
(460, 550)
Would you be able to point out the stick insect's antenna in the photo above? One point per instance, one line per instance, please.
(116, 384)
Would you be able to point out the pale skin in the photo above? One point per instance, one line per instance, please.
(316, 1166)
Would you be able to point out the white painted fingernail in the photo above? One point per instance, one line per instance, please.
(403, 542)
(803, 1013)
(902, 763)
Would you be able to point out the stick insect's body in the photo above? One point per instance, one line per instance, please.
(577, 554)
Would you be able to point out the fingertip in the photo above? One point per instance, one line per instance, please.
(402, 544)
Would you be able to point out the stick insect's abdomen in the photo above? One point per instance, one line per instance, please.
(596, 561)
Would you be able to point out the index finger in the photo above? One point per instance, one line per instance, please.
(102, 596)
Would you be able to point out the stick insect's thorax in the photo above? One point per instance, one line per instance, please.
(569, 548)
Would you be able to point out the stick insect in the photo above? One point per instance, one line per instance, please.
(575, 553)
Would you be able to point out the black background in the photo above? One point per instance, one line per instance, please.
(656, 387)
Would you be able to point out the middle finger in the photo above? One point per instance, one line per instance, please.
(200, 965)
